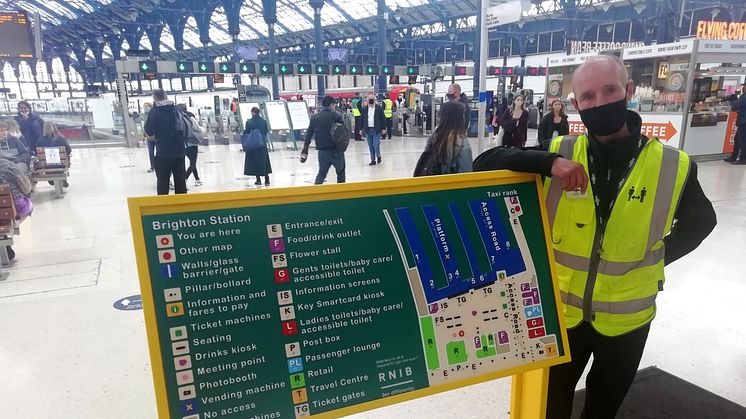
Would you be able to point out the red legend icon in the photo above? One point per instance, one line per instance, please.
(289, 328)
(165, 241)
(166, 256)
(281, 276)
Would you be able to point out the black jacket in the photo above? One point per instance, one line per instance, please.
(380, 120)
(161, 125)
(32, 128)
(256, 122)
(695, 217)
(55, 142)
(467, 112)
(545, 129)
(321, 128)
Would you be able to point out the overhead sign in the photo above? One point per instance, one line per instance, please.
(184, 67)
(286, 69)
(387, 70)
(282, 308)
(666, 128)
(266, 68)
(723, 46)
(570, 60)
(582, 47)
(247, 68)
(339, 69)
(500, 12)
(371, 69)
(305, 68)
(734, 31)
(148, 66)
(227, 68)
(355, 70)
(321, 69)
(206, 67)
(660, 50)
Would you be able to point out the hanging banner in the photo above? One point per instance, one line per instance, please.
(666, 128)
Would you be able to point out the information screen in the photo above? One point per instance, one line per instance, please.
(277, 115)
(16, 36)
(330, 300)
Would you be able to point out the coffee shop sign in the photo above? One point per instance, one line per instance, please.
(582, 47)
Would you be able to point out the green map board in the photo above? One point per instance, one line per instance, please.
(329, 300)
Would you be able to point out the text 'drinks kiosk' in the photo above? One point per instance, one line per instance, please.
(683, 91)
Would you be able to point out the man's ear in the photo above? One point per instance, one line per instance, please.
(630, 90)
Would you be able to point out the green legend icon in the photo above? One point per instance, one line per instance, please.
(387, 70)
(413, 70)
(203, 67)
(182, 67)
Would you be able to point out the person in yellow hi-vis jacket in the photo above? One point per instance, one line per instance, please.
(388, 113)
(621, 206)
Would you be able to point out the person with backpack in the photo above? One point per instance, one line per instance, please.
(447, 150)
(254, 143)
(325, 127)
(167, 127)
(192, 145)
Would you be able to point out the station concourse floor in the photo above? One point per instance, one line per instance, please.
(65, 352)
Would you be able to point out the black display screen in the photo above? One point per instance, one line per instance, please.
(16, 35)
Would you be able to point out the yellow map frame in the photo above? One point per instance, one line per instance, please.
(529, 387)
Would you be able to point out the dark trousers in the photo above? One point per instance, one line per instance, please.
(404, 123)
(739, 143)
(151, 153)
(615, 362)
(358, 127)
(191, 153)
(389, 127)
(164, 168)
(327, 159)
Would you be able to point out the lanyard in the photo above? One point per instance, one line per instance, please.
(601, 215)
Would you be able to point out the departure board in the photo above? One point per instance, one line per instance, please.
(16, 35)
(329, 300)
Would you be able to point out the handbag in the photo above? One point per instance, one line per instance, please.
(253, 140)
(499, 136)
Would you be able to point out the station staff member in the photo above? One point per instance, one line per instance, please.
(612, 199)
(388, 113)
(357, 112)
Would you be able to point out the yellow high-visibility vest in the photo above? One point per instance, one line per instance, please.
(355, 110)
(388, 109)
(620, 297)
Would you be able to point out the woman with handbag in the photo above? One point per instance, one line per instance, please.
(447, 150)
(515, 124)
(256, 159)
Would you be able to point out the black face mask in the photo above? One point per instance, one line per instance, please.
(371, 101)
(450, 96)
(606, 119)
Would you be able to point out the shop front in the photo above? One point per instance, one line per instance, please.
(682, 91)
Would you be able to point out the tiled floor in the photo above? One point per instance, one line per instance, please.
(66, 353)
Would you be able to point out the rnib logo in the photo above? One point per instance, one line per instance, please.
(640, 196)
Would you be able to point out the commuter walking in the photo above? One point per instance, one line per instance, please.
(32, 126)
(638, 187)
(146, 108)
(256, 161)
(192, 145)
(320, 129)
(740, 140)
(553, 124)
(374, 126)
(447, 150)
(454, 95)
(357, 112)
(170, 145)
(515, 124)
(388, 112)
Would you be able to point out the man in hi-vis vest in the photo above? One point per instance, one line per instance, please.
(388, 113)
(621, 206)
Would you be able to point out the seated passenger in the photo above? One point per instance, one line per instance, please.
(52, 138)
(13, 149)
(20, 189)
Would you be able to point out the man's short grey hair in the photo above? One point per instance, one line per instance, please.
(617, 61)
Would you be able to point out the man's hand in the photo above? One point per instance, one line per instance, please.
(571, 174)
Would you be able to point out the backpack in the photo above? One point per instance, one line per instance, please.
(253, 140)
(182, 125)
(340, 135)
(196, 137)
